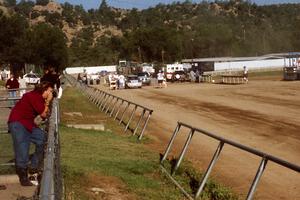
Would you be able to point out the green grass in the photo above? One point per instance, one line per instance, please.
(7, 153)
(2, 83)
(277, 73)
(100, 154)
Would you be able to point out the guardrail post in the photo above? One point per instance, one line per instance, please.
(119, 108)
(96, 96)
(103, 100)
(209, 169)
(111, 104)
(107, 102)
(113, 109)
(121, 119)
(138, 124)
(187, 143)
(131, 116)
(259, 173)
(145, 125)
(170, 143)
(100, 99)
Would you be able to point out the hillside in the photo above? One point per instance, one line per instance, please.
(170, 32)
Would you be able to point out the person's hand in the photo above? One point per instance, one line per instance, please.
(49, 97)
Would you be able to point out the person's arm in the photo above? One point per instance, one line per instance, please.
(47, 103)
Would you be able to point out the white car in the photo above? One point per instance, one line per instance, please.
(31, 78)
(132, 81)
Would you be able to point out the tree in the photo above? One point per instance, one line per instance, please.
(24, 7)
(48, 46)
(42, 2)
(10, 3)
(103, 6)
(12, 32)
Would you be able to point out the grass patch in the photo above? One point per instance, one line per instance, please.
(2, 83)
(277, 73)
(91, 157)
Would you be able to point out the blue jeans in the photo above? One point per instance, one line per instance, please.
(12, 94)
(21, 141)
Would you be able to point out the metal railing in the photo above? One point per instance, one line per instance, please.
(222, 141)
(118, 108)
(6, 147)
(233, 79)
(51, 186)
(51, 183)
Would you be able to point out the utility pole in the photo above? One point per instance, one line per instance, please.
(162, 56)
(140, 54)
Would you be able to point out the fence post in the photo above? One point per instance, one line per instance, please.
(111, 104)
(170, 143)
(113, 109)
(258, 175)
(131, 116)
(103, 100)
(209, 169)
(145, 125)
(121, 120)
(102, 96)
(107, 102)
(187, 143)
(119, 108)
(138, 124)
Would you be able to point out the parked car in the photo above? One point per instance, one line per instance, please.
(132, 81)
(31, 78)
(144, 77)
(180, 76)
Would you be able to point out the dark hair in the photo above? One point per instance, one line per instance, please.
(43, 86)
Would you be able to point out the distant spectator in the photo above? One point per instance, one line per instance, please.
(193, 76)
(22, 83)
(160, 78)
(3, 75)
(245, 74)
(24, 129)
(52, 77)
(121, 81)
(12, 84)
(84, 77)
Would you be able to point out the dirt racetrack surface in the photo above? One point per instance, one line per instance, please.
(263, 114)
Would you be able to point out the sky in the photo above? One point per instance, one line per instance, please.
(142, 4)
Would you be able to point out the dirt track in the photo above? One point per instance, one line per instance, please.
(263, 114)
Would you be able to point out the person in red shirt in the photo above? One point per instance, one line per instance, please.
(21, 124)
(12, 84)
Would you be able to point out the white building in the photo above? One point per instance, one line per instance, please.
(237, 63)
(91, 70)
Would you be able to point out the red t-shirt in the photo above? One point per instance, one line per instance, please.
(27, 108)
(12, 84)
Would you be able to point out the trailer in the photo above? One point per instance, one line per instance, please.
(291, 69)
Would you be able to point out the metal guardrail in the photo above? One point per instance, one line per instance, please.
(233, 79)
(6, 104)
(222, 141)
(51, 187)
(117, 108)
(206, 78)
(51, 183)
